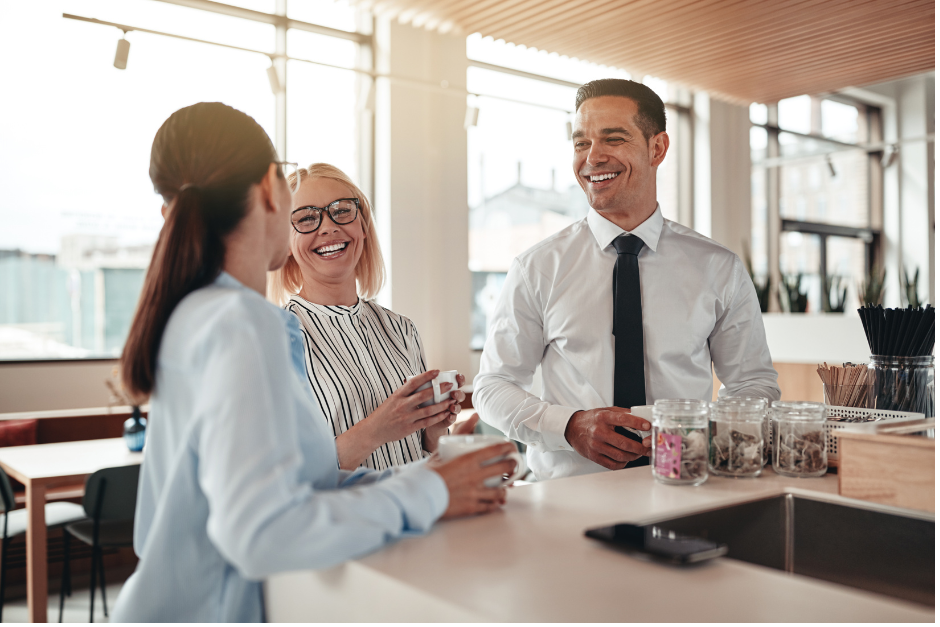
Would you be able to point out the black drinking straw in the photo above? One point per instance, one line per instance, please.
(862, 315)
(903, 316)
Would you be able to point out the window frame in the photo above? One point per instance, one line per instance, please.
(364, 37)
(871, 236)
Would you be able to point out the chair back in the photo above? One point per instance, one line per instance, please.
(6, 493)
(111, 493)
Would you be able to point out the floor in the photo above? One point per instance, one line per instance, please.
(76, 606)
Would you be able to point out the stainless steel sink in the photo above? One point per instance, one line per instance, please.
(864, 548)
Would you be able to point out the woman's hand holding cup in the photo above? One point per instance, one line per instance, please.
(468, 474)
(401, 414)
(433, 433)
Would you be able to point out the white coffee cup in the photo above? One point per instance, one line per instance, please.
(646, 413)
(445, 376)
(451, 446)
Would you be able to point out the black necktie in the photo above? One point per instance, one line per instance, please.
(629, 375)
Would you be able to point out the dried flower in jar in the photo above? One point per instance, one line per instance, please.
(734, 451)
(802, 449)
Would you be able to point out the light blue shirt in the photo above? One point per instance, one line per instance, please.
(240, 478)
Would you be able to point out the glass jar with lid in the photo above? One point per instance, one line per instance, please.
(680, 443)
(799, 438)
(767, 431)
(736, 437)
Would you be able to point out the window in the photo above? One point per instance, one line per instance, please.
(521, 186)
(811, 164)
(80, 216)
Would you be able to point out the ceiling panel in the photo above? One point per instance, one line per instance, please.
(741, 50)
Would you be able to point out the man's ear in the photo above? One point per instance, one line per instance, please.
(163, 210)
(659, 146)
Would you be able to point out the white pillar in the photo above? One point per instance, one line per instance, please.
(729, 136)
(421, 186)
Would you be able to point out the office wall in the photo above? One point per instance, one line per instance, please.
(48, 385)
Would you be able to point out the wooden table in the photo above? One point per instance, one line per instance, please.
(40, 467)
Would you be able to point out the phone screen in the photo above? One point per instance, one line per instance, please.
(659, 542)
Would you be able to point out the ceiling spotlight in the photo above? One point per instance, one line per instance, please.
(120, 56)
(832, 168)
(473, 115)
(274, 78)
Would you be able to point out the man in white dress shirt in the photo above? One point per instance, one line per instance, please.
(696, 307)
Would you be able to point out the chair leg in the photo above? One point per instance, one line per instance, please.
(3, 576)
(66, 575)
(94, 578)
(104, 599)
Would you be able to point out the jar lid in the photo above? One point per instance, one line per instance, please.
(798, 410)
(743, 401)
(739, 411)
(680, 408)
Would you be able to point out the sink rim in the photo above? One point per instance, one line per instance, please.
(804, 493)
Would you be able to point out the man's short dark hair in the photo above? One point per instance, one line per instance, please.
(651, 117)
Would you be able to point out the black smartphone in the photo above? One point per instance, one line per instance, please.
(658, 542)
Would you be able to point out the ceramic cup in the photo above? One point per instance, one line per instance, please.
(445, 376)
(646, 413)
(451, 446)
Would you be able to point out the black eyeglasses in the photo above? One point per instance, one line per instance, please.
(342, 211)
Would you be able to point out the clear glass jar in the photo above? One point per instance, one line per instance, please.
(902, 383)
(799, 438)
(766, 432)
(680, 443)
(736, 437)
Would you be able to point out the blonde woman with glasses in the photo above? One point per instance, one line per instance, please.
(359, 354)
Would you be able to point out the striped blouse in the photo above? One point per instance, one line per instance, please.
(356, 358)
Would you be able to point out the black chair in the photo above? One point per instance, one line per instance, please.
(109, 502)
(15, 522)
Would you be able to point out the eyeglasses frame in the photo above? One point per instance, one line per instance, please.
(296, 171)
(328, 213)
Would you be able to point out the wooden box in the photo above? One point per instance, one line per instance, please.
(891, 464)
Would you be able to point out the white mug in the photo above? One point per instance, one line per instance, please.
(451, 446)
(646, 413)
(445, 376)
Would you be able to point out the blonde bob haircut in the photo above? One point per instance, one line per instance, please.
(370, 271)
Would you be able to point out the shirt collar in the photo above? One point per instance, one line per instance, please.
(605, 231)
(227, 280)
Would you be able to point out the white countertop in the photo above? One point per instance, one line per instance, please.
(532, 563)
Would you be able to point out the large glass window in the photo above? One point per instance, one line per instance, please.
(79, 214)
(521, 186)
(814, 161)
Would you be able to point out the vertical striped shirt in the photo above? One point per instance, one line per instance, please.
(356, 358)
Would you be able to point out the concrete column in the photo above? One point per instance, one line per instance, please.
(729, 137)
(421, 186)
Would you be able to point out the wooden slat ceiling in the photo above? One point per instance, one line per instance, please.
(741, 50)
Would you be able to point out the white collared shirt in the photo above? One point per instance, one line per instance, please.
(556, 310)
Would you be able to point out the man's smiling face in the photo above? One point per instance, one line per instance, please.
(613, 162)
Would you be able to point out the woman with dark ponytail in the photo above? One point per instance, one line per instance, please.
(235, 485)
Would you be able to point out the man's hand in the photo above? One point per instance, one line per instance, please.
(591, 433)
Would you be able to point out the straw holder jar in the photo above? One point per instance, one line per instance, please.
(902, 383)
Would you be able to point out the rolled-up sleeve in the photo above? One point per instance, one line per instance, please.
(738, 344)
(513, 351)
(263, 517)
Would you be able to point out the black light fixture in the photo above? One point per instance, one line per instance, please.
(120, 55)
